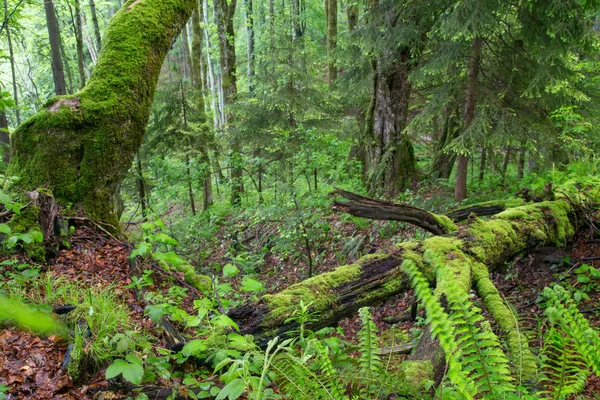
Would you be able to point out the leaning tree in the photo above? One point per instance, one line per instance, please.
(80, 146)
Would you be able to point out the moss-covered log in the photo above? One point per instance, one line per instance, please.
(477, 247)
(81, 146)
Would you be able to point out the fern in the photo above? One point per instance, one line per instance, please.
(442, 327)
(565, 372)
(476, 363)
(562, 309)
(370, 367)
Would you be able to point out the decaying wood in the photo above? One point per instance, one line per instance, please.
(366, 207)
(333, 297)
(404, 348)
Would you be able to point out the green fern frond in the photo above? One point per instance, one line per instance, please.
(563, 310)
(443, 328)
(565, 372)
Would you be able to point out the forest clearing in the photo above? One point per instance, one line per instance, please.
(381, 199)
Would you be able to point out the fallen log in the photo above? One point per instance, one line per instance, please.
(471, 252)
(366, 207)
(375, 277)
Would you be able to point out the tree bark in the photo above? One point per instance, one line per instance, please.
(12, 64)
(224, 13)
(365, 207)
(78, 28)
(198, 82)
(96, 26)
(81, 146)
(331, 40)
(352, 13)
(391, 160)
(250, 45)
(4, 137)
(460, 186)
(57, 65)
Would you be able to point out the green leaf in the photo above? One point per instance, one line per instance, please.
(142, 249)
(116, 368)
(155, 312)
(232, 390)
(5, 229)
(166, 239)
(230, 270)
(37, 236)
(251, 285)
(133, 373)
(168, 257)
(193, 347)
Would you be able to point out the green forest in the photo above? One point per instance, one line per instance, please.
(301, 199)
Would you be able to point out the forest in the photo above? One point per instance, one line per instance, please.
(302, 199)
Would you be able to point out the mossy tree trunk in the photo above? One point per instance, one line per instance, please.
(81, 146)
(391, 162)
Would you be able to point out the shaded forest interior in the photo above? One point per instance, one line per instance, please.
(309, 199)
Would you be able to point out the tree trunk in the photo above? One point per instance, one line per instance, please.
(352, 13)
(482, 163)
(57, 65)
(78, 28)
(521, 163)
(460, 186)
(96, 26)
(443, 159)
(391, 160)
(224, 13)
(12, 64)
(66, 64)
(331, 39)
(198, 82)
(250, 45)
(4, 137)
(81, 146)
(141, 186)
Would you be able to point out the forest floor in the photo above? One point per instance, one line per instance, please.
(30, 366)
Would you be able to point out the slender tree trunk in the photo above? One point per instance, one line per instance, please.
(66, 63)
(78, 28)
(141, 186)
(4, 134)
(81, 146)
(482, 163)
(443, 159)
(57, 65)
(96, 26)
(331, 39)
(460, 187)
(250, 45)
(12, 64)
(506, 161)
(224, 13)
(187, 59)
(200, 113)
(521, 163)
(352, 12)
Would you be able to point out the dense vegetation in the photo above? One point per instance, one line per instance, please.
(218, 166)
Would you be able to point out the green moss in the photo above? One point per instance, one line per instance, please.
(316, 290)
(364, 260)
(446, 223)
(81, 146)
(417, 372)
